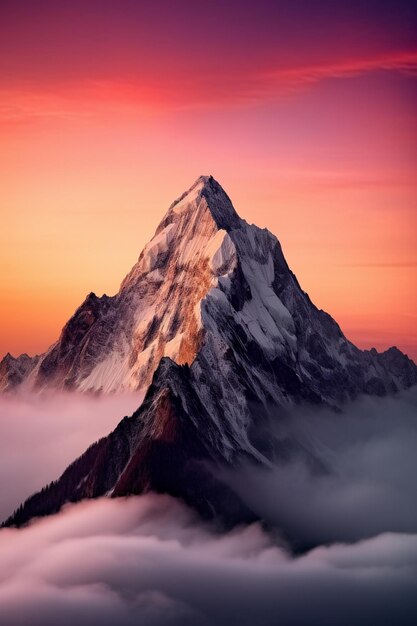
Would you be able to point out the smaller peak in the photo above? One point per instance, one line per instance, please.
(91, 297)
(9, 358)
(393, 351)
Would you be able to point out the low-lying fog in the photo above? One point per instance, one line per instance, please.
(41, 435)
(150, 560)
(350, 475)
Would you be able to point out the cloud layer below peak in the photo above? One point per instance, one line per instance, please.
(346, 495)
(149, 558)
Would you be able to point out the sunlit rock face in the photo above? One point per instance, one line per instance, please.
(116, 343)
(214, 323)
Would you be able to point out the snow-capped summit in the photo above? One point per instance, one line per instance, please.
(213, 317)
(207, 190)
(207, 280)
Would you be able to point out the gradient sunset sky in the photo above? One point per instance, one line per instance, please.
(304, 111)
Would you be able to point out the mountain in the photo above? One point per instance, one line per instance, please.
(13, 371)
(212, 320)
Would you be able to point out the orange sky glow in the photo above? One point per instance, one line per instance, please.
(317, 142)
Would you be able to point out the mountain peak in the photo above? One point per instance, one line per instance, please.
(205, 180)
(211, 291)
(208, 191)
(202, 183)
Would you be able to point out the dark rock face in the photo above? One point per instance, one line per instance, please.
(214, 317)
(83, 340)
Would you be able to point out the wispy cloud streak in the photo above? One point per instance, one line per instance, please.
(240, 88)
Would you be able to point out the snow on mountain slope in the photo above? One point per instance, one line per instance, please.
(113, 344)
(214, 319)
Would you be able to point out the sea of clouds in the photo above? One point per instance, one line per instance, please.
(149, 560)
(40, 435)
(349, 475)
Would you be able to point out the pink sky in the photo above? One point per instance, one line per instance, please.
(108, 111)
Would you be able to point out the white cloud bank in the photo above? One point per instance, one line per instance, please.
(147, 560)
(40, 435)
(340, 477)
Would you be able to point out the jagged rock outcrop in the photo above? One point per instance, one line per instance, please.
(13, 371)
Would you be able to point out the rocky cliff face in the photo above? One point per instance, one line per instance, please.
(213, 316)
